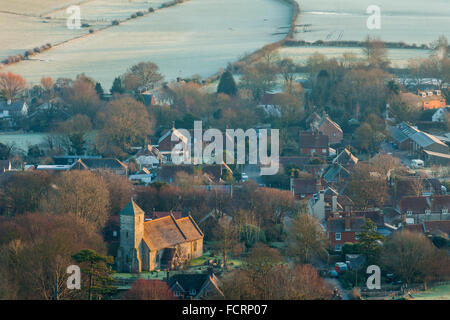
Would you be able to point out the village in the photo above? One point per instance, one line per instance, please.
(363, 178)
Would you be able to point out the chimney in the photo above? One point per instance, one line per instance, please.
(334, 203)
(348, 222)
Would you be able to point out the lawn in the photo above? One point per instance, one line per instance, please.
(441, 292)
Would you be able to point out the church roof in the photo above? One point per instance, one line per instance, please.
(167, 232)
(131, 209)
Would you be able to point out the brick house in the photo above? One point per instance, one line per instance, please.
(314, 143)
(343, 229)
(305, 188)
(331, 129)
(419, 209)
(346, 227)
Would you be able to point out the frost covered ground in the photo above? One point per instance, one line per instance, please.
(196, 37)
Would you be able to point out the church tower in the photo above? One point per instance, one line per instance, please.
(131, 235)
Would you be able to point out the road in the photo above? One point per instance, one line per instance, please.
(335, 283)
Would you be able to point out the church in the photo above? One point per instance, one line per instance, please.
(162, 243)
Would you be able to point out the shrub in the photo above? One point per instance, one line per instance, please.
(151, 9)
(85, 25)
(139, 13)
(115, 22)
(133, 16)
(91, 30)
(37, 50)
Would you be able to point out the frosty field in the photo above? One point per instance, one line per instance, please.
(196, 37)
(411, 21)
(398, 57)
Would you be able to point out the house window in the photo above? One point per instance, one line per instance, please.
(337, 247)
(195, 246)
(427, 212)
(192, 292)
(324, 150)
(409, 213)
(177, 293)
(114, 233)
(357, 236)
(313, 151)
(338, 236)
(445, 211)
(127, 234)
(302, 195)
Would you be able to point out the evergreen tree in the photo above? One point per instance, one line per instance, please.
(117, 86)
(227, 84)
(99, 89)
(98, 269)
(369, 240)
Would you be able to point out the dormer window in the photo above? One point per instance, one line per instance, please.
(192, 292)
(428, 212)
(409, 213)
(445, 211)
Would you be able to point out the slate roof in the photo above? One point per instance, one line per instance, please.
(305, 186)
(131, 209)
(334, 171)
(414, 204)
(313, 140)
(346, 158)
(98, 164)
(338, 224)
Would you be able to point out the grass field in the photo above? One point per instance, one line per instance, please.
(441, 292)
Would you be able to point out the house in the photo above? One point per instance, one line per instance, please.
(210, 173)
(329, 128)
(148, 98)
(305, 188)
(326, 203)
(425, 208)
(148, 157)
(343, 229)
(415, 141)
(104, 164)
(143, 176)
(9, 109)
(164, 242)
(5, 165)
(439, 115)
(196, 286)
(71, 159)
(314, 143)
(336, 173)
(166, 145)
(269, 103)
(431, 99)
(346, 159)
(440, 228)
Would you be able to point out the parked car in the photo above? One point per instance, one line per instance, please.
(340, 267)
